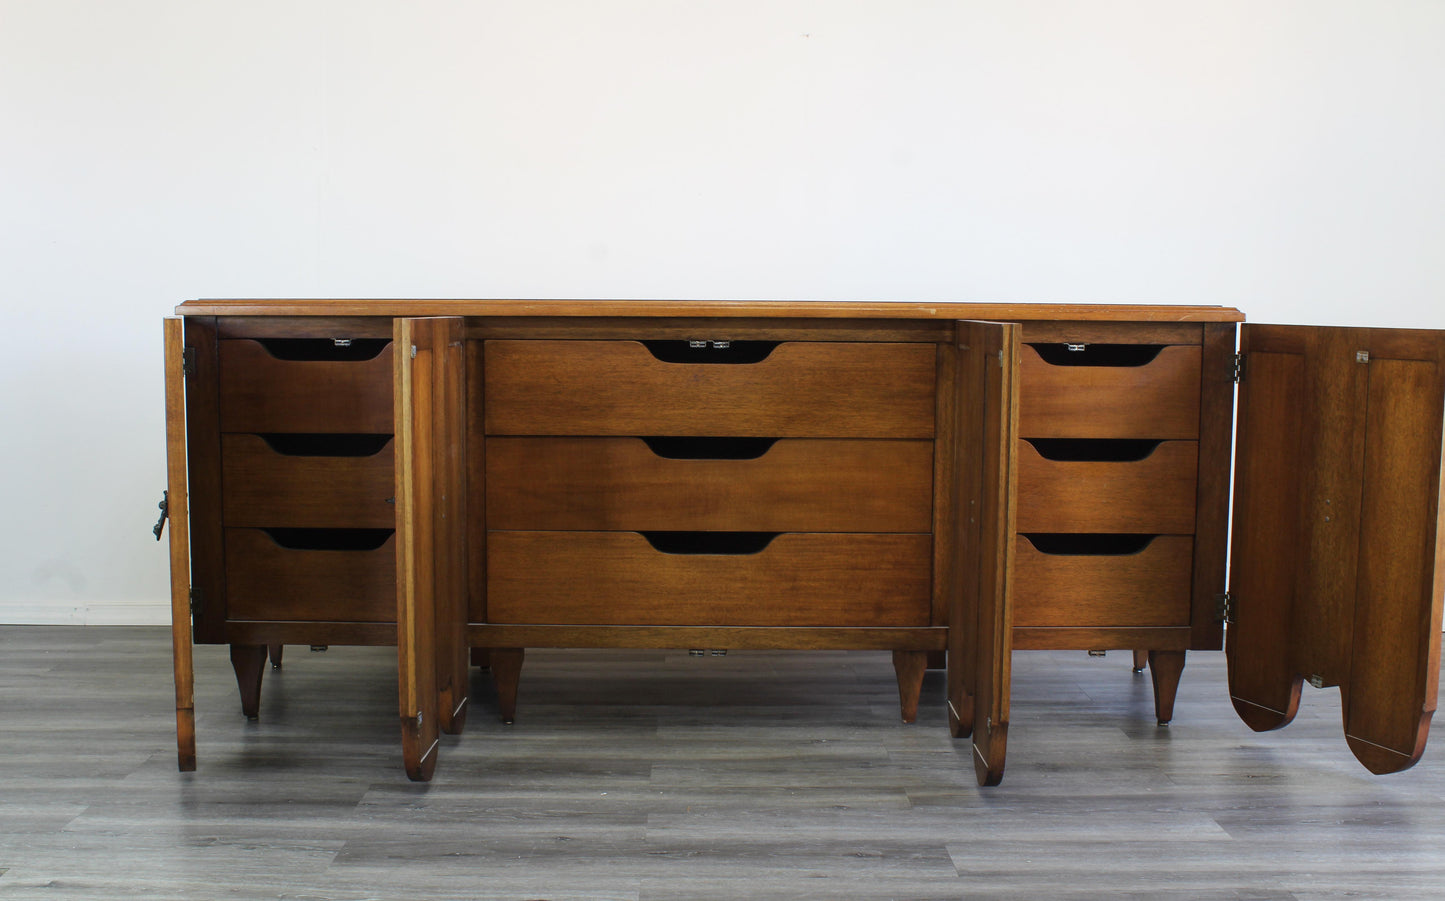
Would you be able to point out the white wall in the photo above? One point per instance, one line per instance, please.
(1284, 157)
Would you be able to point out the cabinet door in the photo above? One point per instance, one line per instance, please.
(1336, 540)
(430, 412)
(984, 363)
(177, 511)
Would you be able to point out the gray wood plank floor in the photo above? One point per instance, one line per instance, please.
(653, 775)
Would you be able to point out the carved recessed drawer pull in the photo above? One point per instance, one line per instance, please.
(674, 448)
(1089, 544)
(329, 539)
(727, 543)
(1098, 354)
(336, 349)
(343, 445)
(695, 351)
(1103, 450)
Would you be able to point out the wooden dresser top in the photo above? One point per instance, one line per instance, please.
(1008, 312)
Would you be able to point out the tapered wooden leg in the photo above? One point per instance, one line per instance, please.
(1141, 659)
(274, 652)
(910, 666)
(1165, 668)
(507, 672)
(249, 662)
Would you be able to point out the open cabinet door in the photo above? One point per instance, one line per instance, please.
(1335, 573)
(430, 412)
(984, 364)
(178, 514)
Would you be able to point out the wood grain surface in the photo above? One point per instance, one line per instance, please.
(1156, 400)
(179, 522)
(796, 485)
(1148, 588)
(1154, 495)
(985, 366)
(1395, 655)
(800, 390)
(718, 308)
(260, 393)
(1216, 463)
(266, 489)
(1336, 546)
(1264, 681)
(203, 459)
(618, 578)
(430, 588)
(265, 581)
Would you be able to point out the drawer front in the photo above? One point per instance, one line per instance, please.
(266, 581)
(1147, 588)
(620, 578)
(266, 488)
(791, 485)
(261, 392)
(1153, 495)
(799, 389)
(1158, 399)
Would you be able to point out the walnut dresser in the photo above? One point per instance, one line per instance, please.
(948, 482)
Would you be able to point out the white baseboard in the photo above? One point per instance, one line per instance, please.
(91, 613)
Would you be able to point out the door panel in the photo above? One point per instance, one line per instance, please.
(1337, 529)
(1263, 682)
(1329, 513)
(980, 639)
(203, 474)
(431, 555)
(1396, 654)
(178, 514)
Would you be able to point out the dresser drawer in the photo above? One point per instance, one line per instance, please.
(792, 389)
(1066, 491)
(308, 481)
(1148, 587)
(1142, 395)
(299, 385)
(788, 485)
(708, 579)
(331, 575)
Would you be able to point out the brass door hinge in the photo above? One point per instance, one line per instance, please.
(196, 600)
(1237, 369)
(1224, 608)
(188, 361)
